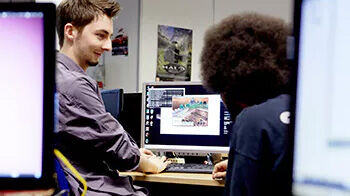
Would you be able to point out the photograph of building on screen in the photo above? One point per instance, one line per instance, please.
(190, 111)
(159, 97)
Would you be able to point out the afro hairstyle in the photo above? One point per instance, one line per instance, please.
(244, 58)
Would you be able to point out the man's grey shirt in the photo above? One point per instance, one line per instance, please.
(92, 140)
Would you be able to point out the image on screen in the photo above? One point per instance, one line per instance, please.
(184, 117)
(190, 111)
(21, 52)
(322, 133)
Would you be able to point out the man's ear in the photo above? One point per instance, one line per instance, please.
(70, 32)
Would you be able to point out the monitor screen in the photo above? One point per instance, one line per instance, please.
(322, 133)
(184, 117)
(27, 52)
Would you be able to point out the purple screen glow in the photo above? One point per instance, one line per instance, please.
(21, 99)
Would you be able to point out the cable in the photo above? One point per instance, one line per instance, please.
(65, 161)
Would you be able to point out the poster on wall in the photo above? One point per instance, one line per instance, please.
(98, 74)
(174, 56)
(120, 43)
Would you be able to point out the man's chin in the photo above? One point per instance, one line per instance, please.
(92, 64)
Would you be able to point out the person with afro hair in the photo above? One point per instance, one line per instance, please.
(244, 59)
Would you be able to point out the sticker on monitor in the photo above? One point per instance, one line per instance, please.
(190, 111)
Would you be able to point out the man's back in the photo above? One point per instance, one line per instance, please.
(258, 151)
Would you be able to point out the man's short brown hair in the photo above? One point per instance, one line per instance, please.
(82, 12)
(244, 58)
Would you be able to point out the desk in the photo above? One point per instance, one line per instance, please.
(175, 184)
(176, 178)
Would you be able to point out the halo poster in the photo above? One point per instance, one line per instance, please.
(174, 58)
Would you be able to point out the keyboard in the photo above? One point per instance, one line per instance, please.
(189, 168)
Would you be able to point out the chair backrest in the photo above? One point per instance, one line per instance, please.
(61, 179)
(62, 182)
(113, 100)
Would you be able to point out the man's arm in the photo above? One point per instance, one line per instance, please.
(83, 116)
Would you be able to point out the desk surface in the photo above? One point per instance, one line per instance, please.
(176, 178)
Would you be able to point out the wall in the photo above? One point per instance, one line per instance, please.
(122, 71)
(197, 15)
(141, 18)
(49, 1)
(190, 14)
(278, 8)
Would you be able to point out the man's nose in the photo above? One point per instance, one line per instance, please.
(107, 45)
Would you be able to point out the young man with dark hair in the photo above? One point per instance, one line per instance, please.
(244, 59)
(93, 141)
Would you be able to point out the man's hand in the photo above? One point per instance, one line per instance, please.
(220, 170)
(150, 163)
(146, 152)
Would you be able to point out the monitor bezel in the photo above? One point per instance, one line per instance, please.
(295, 63)
(174, 148)
(301, 188)
(46, 180)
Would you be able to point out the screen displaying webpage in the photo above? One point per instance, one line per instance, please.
(185, 115)
(21, 99)
(322, 132)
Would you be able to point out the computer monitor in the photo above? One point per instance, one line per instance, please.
(184, 117)
(27, 53)
(113, 100)
(130, 116)
(322, 133)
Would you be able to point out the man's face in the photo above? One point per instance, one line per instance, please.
(93, 40)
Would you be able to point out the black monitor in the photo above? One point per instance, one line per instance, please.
(322, 131)
(184, 117)
(113, 100)
(126, 108)
(130, 116)
(27, 53)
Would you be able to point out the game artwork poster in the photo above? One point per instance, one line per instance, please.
(174, 57)
(120, 43)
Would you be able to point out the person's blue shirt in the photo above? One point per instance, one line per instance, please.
(258, 158)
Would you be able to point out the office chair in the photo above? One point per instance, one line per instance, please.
(61, 178)
(62, 183)
(113, 100)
